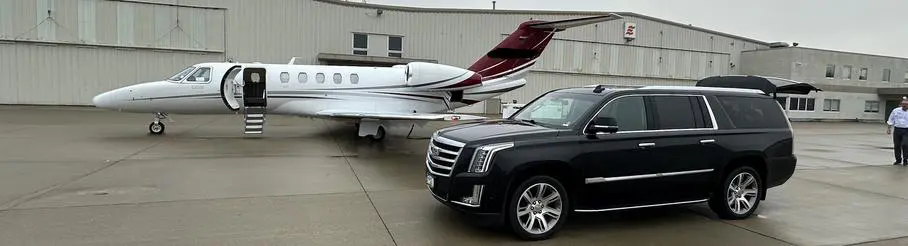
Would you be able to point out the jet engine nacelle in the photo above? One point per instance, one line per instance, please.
(439, 77)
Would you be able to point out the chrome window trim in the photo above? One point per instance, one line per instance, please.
(709, 108)
(596, 180)
(641, 206)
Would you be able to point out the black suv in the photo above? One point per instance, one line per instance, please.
(593, 149)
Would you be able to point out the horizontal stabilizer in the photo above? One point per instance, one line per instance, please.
(397, 115)
(565, 24)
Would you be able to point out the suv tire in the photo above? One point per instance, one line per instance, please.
(739, 194)
(531, 215)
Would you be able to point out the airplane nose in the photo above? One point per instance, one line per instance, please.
(103, 100)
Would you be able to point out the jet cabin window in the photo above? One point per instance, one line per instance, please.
(202, 75)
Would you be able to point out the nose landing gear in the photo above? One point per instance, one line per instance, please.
(156, 127)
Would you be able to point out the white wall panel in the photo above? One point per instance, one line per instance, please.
(47, 30)
(88, 24)
(45, 74)
(126, 23)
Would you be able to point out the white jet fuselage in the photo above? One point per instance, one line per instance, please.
(301, 90)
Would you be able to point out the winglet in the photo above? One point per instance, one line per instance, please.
(565, 24)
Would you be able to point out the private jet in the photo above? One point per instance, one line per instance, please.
(370, 96)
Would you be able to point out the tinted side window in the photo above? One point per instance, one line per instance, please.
(749, 112)
(629, 112)
(676, 112)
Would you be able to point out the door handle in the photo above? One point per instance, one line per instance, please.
(644, 145)
(706, 141)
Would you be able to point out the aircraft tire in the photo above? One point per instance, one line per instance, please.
(156, 128)
(379, 135)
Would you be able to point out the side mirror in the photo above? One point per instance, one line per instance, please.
(603, 124)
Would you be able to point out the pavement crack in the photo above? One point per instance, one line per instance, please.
(35, 195)
(347, 160)
(851, 188)
(738, 226)
(878, 240)
(181, 200)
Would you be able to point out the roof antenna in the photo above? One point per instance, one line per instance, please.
(493, 5)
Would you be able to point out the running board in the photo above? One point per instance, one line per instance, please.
(255, 120)
(641, 206)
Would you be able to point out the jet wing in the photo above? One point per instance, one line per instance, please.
(397, 115)
(565, 24)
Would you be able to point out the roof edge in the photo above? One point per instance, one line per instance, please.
(827, 50)
(537, 12)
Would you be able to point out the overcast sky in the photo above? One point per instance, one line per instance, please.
(874, 27)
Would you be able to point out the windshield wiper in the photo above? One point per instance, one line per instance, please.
(532, 122)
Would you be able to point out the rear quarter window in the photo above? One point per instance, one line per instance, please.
(751, 112)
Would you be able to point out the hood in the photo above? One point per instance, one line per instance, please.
(496, 130)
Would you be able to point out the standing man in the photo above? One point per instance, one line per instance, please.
(898, 119)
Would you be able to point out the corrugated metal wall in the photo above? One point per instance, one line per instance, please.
(273, 31)
(66, 52)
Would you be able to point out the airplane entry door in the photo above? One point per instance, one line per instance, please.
(228, 88)
(254, 87)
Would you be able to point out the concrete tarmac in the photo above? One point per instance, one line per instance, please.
(82, 176)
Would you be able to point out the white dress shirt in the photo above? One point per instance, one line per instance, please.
(898, 118)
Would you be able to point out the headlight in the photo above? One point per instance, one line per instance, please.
(483, 156)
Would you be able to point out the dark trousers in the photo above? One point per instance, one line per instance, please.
(900, 143)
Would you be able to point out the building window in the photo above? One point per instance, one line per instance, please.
(360, 44)
(354, 78)
(302, 78)
(801, 104)
(886, 73)
(337, 78)
(782, 101)
(846, 72)
(831, 105)
(871, 106)
(906, 77)
(320, 78)
(395, 46)
(863, 74)
(830, 71)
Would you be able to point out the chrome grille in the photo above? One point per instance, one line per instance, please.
(441, 155)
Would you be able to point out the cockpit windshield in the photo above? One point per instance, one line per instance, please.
(182, 74)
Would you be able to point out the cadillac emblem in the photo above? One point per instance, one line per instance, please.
(433, 152)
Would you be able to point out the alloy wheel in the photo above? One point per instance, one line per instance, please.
(742, 193)
(539, 208)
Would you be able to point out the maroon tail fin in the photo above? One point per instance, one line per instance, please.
(519, 50)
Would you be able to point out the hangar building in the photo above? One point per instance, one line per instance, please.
(62, 52)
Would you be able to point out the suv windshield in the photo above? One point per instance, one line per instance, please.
(182, 74)
(557, 109)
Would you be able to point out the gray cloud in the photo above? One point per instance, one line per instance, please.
(874, 27)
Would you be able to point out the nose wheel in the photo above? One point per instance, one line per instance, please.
(156, 127)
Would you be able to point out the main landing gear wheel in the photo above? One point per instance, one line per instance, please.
(156, 128)
(537, 208)
(379, 135)
(739, 195)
